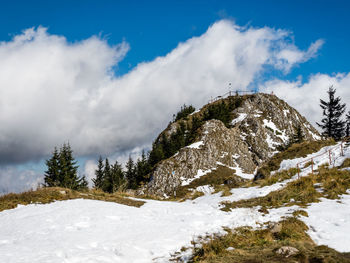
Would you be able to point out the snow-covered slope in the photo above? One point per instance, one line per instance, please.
(96, 231)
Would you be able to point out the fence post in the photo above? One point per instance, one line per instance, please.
(341, 147)
(298, 171)
(330, 158)
(312, 165)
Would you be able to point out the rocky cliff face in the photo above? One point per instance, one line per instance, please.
(260, 125)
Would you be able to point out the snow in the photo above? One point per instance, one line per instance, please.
(195, 145)
(241, 117)
(96, 231)
(315, 136)
(269, 141)
(102, 232)
(285, 112)
(271, 125)
(318, 160)
(195, 112)
(329, 224)
(240, 173)
(199, 174)
(206, 189)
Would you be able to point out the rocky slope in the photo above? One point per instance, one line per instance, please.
(259, 126)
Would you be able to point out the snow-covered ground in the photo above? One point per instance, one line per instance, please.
(96, 231)
(329, 223)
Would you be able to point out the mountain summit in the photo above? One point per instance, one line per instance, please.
(255, 128)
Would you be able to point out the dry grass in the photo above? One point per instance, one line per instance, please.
(334, 182)
(346, 163)
(294, 151)
(222, 179)
(51, 194)
(255, 246)
(276, 177)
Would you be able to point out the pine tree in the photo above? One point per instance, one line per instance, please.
(298, 136)
(332, 124)
(130, 174)
(106, 183)
(98, 181)
(62, 170)
(116, 177)
(347, 129)
(51, 177)
(142, 169)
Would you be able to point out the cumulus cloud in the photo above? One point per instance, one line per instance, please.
(305, 96)
(53, 91)
(289, 55)
(13, 179)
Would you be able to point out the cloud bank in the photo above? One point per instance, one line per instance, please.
(53, 91)
(305, 96)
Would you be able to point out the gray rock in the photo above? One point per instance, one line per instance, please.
(264, 122)
(287, 251)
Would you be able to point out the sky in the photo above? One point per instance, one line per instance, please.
(107, 76)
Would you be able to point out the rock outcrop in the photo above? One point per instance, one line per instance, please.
(260, 125)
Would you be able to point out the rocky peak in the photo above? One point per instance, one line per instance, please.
(259, 126)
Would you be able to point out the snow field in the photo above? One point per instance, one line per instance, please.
(102, 232)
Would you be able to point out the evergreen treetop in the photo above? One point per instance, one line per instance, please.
(99, 173)
(347, 128)
(62, 170)
(332, 124)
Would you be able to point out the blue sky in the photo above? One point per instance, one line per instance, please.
(153, 28)
(112, 94)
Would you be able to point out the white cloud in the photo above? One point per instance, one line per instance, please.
(17, 180)
(290, 55)
(53, 91)
(305, 97)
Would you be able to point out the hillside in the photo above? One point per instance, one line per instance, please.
(239, 132)
(238, 194)
(211, 228)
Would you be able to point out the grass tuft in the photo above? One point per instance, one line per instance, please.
(222, 179)
(294, 151)
(255, 246)
(50, 194)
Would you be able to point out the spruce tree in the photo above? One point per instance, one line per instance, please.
(347, 129)
(98, 181)
(130, 174)
(116, 177)
(51, 176)
(106, 183)
(69, 170)
(332, 124)
(142, 169)
(298, 136)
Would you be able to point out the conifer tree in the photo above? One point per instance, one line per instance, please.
(98, 181)
(130, 174)
(62, 170)
(106, 183)
(116, 177)
(347, 129)
(332, 124)
(298, 136)
(142, 168)
(51, 177)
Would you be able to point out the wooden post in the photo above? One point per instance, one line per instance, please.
(341, 147)
(330, 158)
(298, 171)
(312, 166)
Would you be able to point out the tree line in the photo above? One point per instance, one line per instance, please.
(62, 167)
